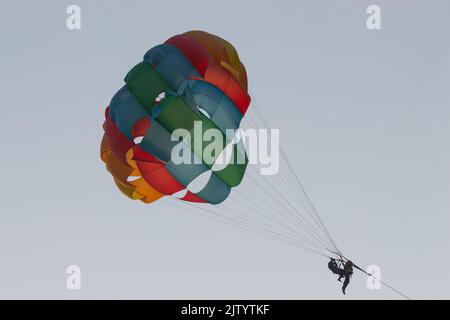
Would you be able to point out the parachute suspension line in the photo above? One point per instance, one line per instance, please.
(288, 213)
(256, 221)
(380, 281)
(291, 215)
(238, 224)
(298, 220)
(295, 223)
(288, 208)
(286, 180)
(270, 233)
(289, 176)
(252, 220)
(261, 212)
(296, 215)
(310, 229)
(384, 283)
(282, 235)
(293, 178)
(311, 205)
(243, 217)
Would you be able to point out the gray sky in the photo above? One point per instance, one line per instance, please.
(364, 117)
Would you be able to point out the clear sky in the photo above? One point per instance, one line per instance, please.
(364, 117)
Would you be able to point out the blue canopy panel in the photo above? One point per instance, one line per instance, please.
(125, 111)
(172, 65)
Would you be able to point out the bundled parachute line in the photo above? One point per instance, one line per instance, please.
(191, 78)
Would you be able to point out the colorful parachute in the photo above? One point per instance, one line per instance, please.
(198, 77)
(195, 76)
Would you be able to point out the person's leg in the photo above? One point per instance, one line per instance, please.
(346, 282)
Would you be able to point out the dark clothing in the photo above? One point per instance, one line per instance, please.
(345, 272)
(332, 265)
